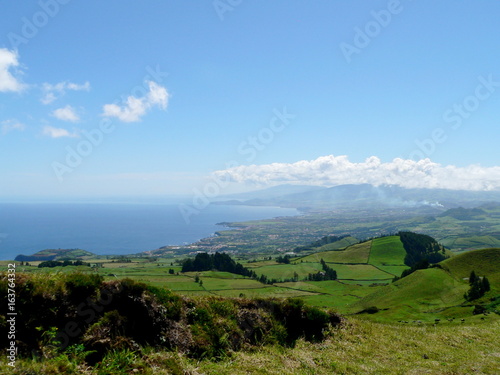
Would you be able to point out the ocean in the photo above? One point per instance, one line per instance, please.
(113, 228)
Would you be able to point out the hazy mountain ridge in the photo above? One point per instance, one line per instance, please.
(364, 195)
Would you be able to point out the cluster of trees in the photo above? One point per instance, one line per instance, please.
(65, 263)
(223, 262)
(478, 287)
(328, 273)
(420, 247)
(218, 261)
(122, 259)
(283, 259)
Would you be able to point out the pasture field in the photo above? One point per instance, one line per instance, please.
(483, 262)
(393, 270)
(215, 284)
(422, 295)
(214, 274)
(360, 272)
(264, 292)
(287, 271)
(357, 253)
(472, 242)
(387, 251)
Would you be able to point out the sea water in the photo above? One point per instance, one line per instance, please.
(113, 228)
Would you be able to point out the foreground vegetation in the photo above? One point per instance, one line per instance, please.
(358, 347)
(79, 317)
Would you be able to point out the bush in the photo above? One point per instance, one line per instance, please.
(81, 286)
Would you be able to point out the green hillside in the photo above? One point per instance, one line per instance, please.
(485, 262)
(387, 251)
(416, 296)
(358, 253)
(436, 292)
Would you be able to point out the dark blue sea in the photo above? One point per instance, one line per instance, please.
(113, 228)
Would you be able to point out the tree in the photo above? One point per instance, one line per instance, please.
(472, 277)
(486, 284)
(478, 287)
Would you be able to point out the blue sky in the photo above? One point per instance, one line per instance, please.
(329, 91)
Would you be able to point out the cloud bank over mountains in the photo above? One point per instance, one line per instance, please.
(333, 170)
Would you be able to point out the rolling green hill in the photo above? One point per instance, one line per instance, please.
(485, 262)
(436, 292)
(387, 251)
(358, 253)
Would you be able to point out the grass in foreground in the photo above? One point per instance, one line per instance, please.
(363, 347)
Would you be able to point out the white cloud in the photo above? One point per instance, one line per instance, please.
(53, 92)
(135, 108)
(8, 82)
(157, 95)
(11, 125)
(66, 114)
(337, 170)
(58, 132)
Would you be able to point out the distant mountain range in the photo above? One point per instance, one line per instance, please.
(361, 196)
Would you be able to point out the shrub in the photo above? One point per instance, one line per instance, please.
(171, 301)
(81, 286)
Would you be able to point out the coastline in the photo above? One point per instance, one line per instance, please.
(80, 225)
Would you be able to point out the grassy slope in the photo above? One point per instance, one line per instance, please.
(435, 293)
(357, 253)
(371, 348)
(282, 271)
(483, 262)
(419, 296)
(387, 251)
